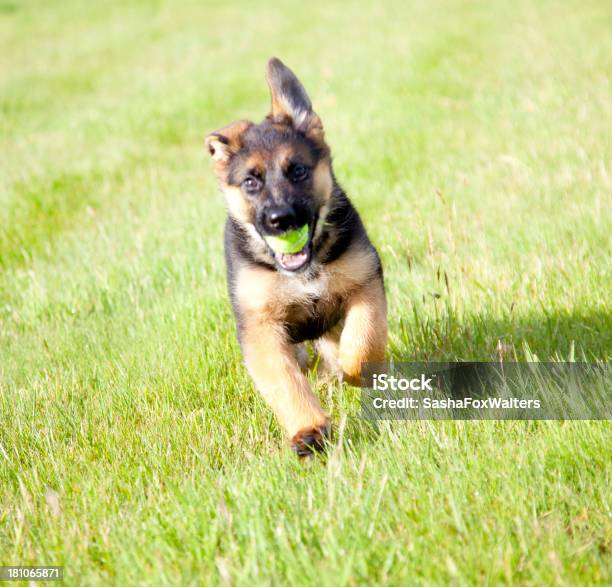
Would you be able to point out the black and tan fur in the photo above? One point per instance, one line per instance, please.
(336, 299)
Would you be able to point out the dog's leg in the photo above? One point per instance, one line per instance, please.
(301, 354)
(273, 365)
(328, 349)
(364, 336)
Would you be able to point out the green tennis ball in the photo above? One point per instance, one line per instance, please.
(291, 242)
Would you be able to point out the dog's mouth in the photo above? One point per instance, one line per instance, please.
(291, 250)
(293, 261)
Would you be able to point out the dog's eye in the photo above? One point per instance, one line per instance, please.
(251, 184)
(298, 172)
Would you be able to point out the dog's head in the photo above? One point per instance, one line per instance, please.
(276, 175)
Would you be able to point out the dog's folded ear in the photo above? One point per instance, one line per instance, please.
(226, 141)
(290, 102)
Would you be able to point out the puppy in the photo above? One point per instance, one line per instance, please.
(277, 180)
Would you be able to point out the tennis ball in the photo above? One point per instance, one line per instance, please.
(291, 242)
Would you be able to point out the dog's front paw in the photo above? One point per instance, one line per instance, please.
(309, 441)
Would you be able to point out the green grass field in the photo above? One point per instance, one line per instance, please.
(474, 137)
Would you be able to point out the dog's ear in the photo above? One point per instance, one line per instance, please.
(290, 102)
(225, 142)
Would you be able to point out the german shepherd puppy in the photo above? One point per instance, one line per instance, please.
(277, 177)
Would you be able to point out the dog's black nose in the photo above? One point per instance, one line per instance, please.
(281, 218)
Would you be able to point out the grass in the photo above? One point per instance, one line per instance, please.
(474, 137)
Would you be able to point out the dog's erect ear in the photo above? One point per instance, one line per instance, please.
(290, 102)
(225, 142)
